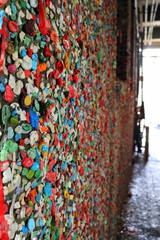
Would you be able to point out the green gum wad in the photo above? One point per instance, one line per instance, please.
(30, 174)
(3, 155)
(36, 104)
(14, 120)
(24, 171)
(23, 4)
(13, 17)
(32, 153)
(48, 221)
(27, 41)
(74, 237)
(8, 146)
(30, 203)
(38, 36)
(38, 173)
(56, 235)
(26, 128)
(35, 233)
(6, 113)
(47, 236)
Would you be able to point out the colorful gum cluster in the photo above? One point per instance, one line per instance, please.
(60, 118)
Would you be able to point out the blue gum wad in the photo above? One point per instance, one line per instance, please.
(48, 189)
(34, 119)
(2, 87)
(31, 224)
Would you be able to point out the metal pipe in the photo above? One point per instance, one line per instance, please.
(146, 19)
(136, 15)
(154, 16)
(140, 3)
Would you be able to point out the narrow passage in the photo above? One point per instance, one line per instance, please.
(141, 215)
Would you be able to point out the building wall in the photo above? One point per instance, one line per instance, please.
(66, 122)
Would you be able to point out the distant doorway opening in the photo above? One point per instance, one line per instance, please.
(151, 86)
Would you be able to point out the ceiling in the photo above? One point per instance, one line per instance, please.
(148, 15)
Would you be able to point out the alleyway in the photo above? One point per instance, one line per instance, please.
(71, 87)
(142, 212)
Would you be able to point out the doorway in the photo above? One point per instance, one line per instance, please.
(151, 87)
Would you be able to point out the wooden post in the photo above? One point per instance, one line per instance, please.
(146, 152)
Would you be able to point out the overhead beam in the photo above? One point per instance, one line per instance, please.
(151, 24)
(149, 2)
(153, 42)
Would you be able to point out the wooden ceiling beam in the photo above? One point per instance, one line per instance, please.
(144, 2)
(151, 24)
(154, 41)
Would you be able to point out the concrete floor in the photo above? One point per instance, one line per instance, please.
(141, 216)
